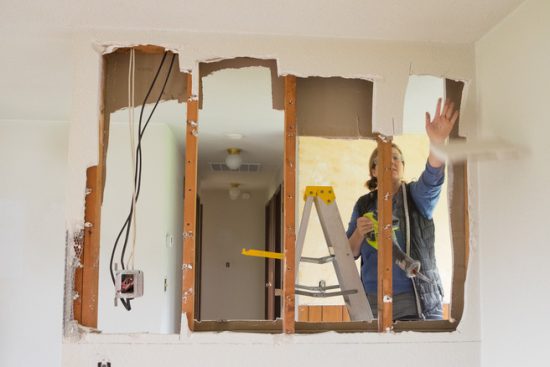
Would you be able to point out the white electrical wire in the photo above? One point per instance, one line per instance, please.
(131, 101)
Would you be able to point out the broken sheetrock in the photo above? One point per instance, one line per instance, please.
(110, 47)
(116, 81)
(334, 107)
(482, 149)
(277, 82)
(185, 331)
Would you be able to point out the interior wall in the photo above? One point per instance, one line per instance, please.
(389, 69)
(232, 284)
(32, 241)
(159, 222)
(514, 78)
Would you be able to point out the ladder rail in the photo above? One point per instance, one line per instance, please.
(351, 287)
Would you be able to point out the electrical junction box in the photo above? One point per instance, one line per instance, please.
(129, 283)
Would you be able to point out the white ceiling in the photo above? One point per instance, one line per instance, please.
(238, 101)
(414, 20)
(36, 73)
(36, 35)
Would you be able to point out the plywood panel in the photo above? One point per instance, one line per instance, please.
(332, 313)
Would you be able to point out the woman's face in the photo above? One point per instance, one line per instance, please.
(397, 166)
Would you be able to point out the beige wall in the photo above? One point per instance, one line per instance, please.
(237, 291)
(514, 77)
(158, 216)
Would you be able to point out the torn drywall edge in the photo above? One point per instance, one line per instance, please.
(209, 67)
(104, 48)
(249, 338)
(146, 66)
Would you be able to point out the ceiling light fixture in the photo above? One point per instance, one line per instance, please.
(233, 159)
(234, 136)
(234, 191)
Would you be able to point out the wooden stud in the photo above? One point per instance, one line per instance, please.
(385, 263)
(289, 188)
(190, 207)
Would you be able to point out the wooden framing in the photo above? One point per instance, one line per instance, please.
(385, 261)
(289, 199)
(458, 207)
(87, 277)
(190, 209)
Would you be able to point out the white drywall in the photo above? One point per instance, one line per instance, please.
(513, 78)
(159, 214)
(233, 285)
(33, 162)
(388, 63)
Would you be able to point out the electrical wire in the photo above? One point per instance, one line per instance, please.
(137, 171)
(131, 103)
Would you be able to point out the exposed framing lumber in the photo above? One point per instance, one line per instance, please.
(385, 194)
(85, 312)
(190, 207)
(458, 207)
(87, 277)
(289, 200)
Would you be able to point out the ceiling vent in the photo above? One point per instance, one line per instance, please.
(245, 167)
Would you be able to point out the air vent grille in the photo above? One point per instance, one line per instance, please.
(245, 167)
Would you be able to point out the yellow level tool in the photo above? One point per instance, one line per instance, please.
(260, 253)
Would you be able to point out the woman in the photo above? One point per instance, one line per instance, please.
(413, 205)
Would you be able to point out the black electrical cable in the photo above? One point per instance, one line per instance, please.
(138, 170)
(139, 154)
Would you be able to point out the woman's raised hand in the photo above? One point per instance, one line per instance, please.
(440, 127)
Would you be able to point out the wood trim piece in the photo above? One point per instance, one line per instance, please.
(332, 313)
(190, 208)
(458, 207)
(385, 194)
(289, 190)
(247, 326)
(303, 313)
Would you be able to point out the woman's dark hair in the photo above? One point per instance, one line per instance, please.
(372, 183)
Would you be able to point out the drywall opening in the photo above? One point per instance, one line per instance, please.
(343, 164)
(238, 120)
(142, 155)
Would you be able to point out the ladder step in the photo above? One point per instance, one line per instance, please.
(321, 287)
(325, 294)
(317, 260)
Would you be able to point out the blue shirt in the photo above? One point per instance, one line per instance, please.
(425, 193)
